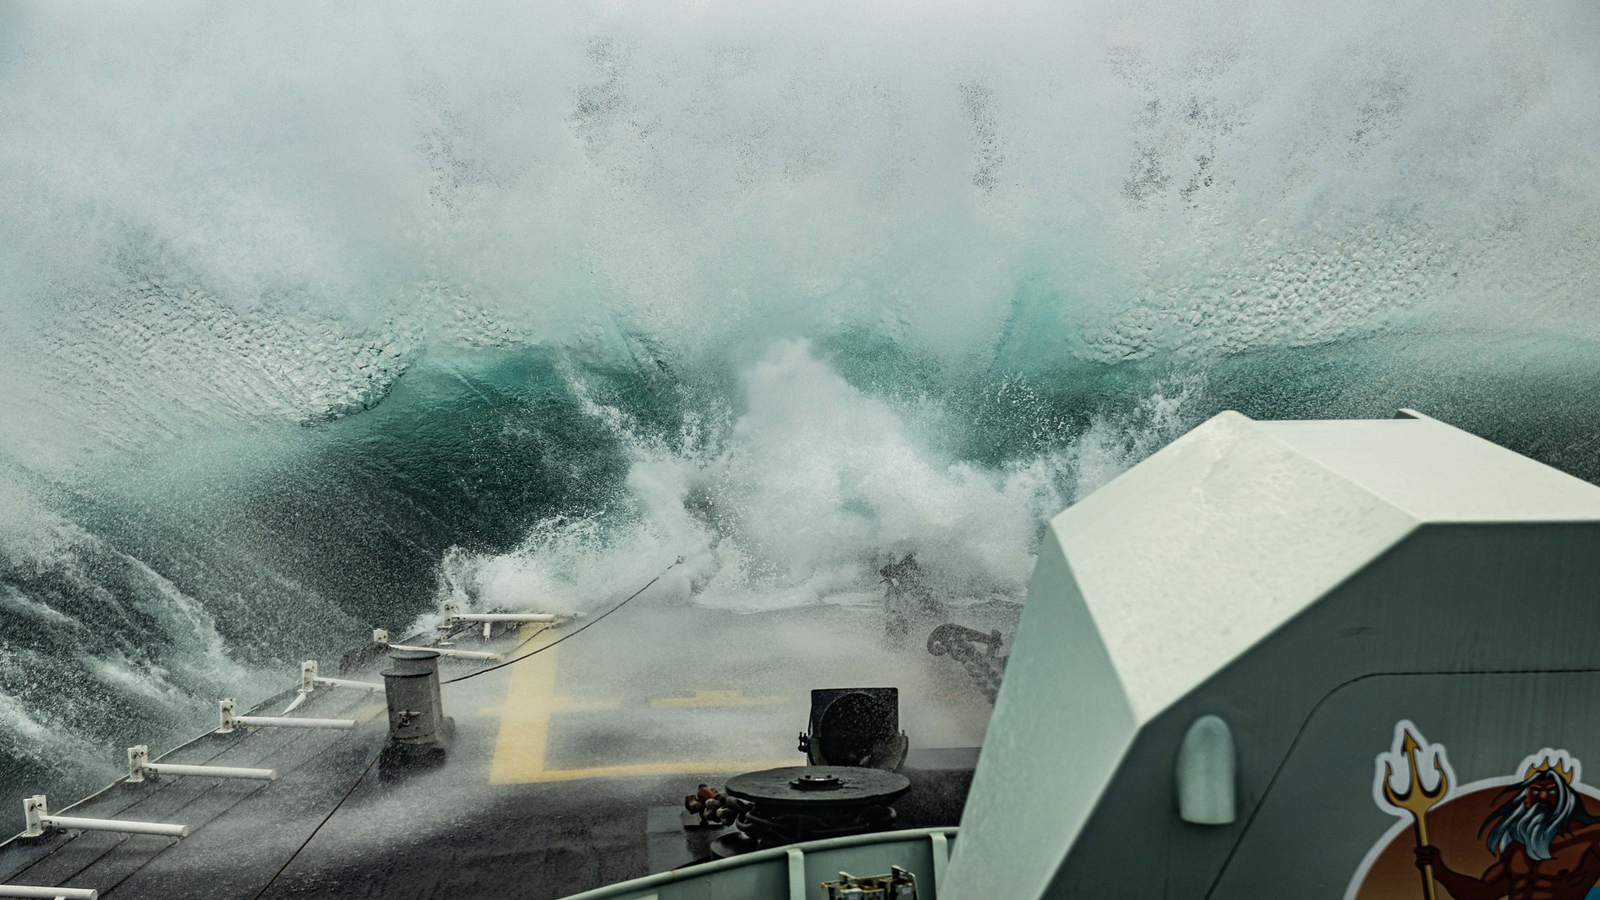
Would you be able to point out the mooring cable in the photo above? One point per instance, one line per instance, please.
(574, 633)
(303, 844)
(173, 843)
(307, 761)
(525, 641)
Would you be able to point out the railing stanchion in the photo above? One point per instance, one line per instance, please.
(36, 813)
(231, 720)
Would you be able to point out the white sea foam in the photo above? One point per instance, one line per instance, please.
(90, 629)
(229, 213)
(802, 496)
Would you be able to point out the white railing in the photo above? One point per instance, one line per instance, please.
(36, 812)
(309, 679)
(453, 616)
(453, 613)
(139, 765)
(539, 618)
(230, 720)
(382, 637)
(48, 893)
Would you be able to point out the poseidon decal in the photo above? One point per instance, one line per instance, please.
(1530, 836)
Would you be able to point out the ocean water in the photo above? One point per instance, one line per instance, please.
(314, 318)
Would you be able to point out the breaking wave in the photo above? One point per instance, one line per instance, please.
(305, 333)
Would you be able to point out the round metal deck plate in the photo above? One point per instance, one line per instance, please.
(856, 787)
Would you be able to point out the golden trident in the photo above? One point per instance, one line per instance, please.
(1416, 800)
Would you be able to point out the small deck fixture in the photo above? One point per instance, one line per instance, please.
(230, 720)
(381, 637)
(897, 885)
(139, 765)
(309, 679)
(454, 618)
(1205, 773)
(855, 727)
(48, 893)
(452, 613)
(36, 813)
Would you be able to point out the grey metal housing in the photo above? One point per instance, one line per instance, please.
(1310, 584)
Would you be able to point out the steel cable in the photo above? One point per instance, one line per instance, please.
(571, 634)
(370, 763)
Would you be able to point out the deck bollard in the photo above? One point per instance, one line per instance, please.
(418, 727)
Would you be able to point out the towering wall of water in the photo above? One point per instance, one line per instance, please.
(313, 316)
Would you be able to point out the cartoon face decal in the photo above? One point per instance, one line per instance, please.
(1531, 835)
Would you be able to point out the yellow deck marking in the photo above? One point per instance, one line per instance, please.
(531, 701)
(684, 767)
(716, 698)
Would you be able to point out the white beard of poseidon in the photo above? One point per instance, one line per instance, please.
(1533, 825)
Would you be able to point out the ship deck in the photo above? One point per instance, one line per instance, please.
(566, 772)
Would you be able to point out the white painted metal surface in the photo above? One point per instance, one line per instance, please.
(287, 722)
(347, 683)
(213, 771)
(309, 679)
(1254, 569)
(48, 893)
(36, 812)
(449, 651)
(453, 613)
(1200, 551)
(118, 825)
(382, 637)
(1438, 473)
(139, 765)
(540, 618)
(230, 720)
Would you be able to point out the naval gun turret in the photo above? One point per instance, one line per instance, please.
(1352, 660)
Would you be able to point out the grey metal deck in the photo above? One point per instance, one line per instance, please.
(566, 771)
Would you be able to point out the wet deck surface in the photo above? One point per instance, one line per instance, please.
(566, 771)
